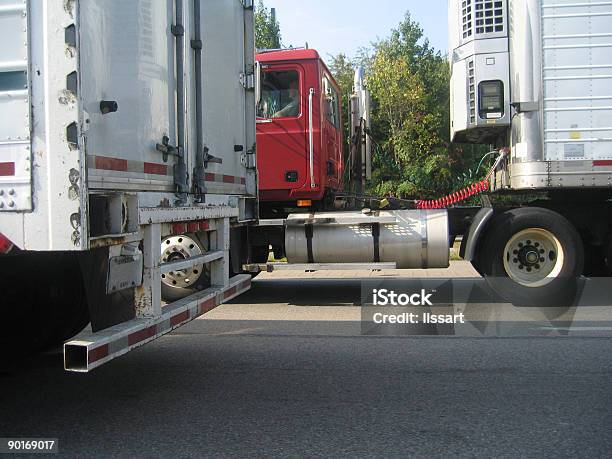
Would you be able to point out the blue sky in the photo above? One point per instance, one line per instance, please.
(333, 26)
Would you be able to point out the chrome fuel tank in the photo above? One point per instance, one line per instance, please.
(410, 238)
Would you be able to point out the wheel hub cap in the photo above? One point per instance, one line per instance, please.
(178, 248)
(533, 257)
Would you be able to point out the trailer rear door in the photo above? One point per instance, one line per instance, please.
(15, 160)
(127, 62)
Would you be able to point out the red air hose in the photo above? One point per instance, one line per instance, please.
(464, 193)
(455, 197)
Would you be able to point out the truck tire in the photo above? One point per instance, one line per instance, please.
(48, 313)
(532, 257)
(182, 283)
(609, 257)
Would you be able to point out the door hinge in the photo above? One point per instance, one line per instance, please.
(247, 80)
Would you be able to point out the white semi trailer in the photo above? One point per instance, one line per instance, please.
(128, 172)
(125, 126)
(535, 77)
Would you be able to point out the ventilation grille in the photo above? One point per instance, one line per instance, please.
(466, 14)
(489, 16)
(471, 92)
(480, 17)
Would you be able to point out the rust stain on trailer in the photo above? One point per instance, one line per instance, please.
(107, 241)
(69, 7)
(66, 97)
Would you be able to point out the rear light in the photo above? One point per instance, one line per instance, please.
(5, 244)
(304, 203)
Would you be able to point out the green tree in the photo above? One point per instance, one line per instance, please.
(343, 70)
(267, 28)
(409, 82)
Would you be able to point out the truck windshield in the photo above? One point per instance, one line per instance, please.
(280, 95)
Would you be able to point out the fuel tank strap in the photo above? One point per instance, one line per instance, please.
(308, 230)
(376, 239)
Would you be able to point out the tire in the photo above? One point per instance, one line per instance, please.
(47, 312)
(260, 254)
(532, 257)
(609, 257)
(179, 284)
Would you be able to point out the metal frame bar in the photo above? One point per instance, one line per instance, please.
(90, 351)
(153, 320)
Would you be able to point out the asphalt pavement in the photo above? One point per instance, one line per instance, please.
(283, 371)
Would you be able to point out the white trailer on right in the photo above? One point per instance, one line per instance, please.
(534, 77)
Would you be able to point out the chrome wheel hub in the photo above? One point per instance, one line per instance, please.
(178, 248)
(533, 257)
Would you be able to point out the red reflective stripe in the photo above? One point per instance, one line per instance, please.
(603, 162)
(179, 228)
(230, 292)
(111, 164)
(224, 179)
(190, 227)
(208, 305)
(141, 335)
(154, 168)
(7, 169)
(179, 318)
(97, 354)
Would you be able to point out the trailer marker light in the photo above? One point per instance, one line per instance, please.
(304, 203)
(5, 244)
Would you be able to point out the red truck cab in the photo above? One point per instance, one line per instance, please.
(299, 129)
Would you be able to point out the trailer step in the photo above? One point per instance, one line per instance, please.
(90, 350)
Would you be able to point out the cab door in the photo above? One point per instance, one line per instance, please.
(282, 145)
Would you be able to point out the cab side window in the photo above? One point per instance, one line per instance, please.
(332, 103)
(280, 95)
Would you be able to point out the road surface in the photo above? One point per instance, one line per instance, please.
(283, 371)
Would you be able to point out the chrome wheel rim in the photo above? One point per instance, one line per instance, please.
(177, 248)
(533, 257)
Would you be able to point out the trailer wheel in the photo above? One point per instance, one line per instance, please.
(182, 283)
(609, 257)
(532, 257)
